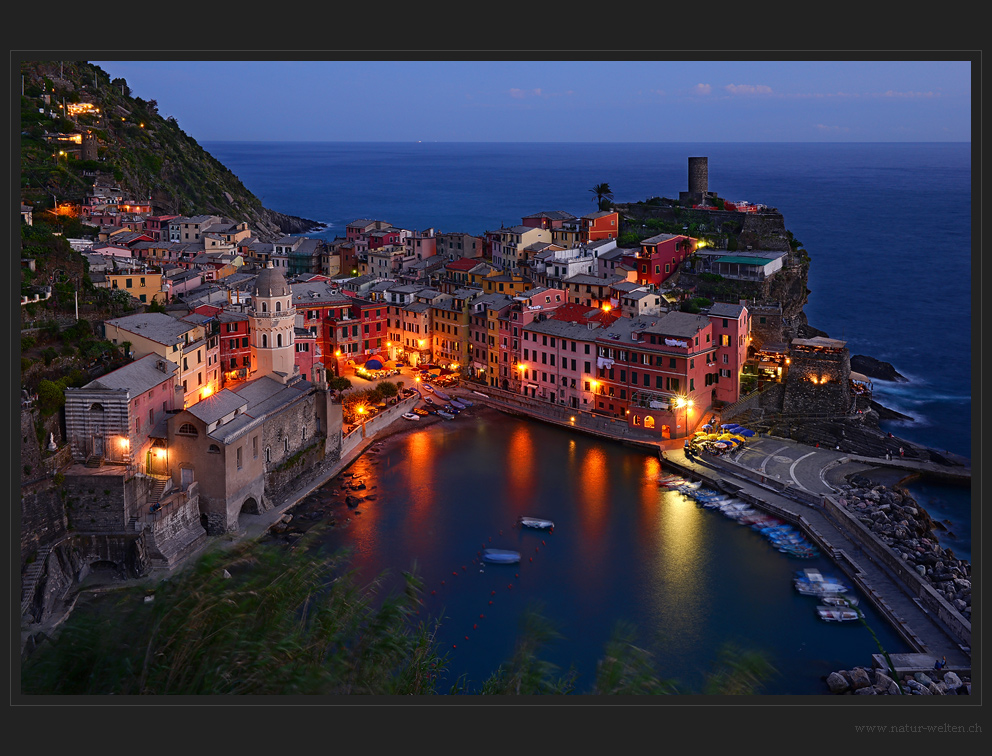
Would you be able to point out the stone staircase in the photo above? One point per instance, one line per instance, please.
(158, 488)
(94, 460)
(29, 581)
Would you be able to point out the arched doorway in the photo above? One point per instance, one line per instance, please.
(250, 506)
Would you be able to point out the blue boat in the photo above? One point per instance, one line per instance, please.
(500, 556)
(458, 405)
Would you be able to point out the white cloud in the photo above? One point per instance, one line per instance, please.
(747, 89)
(891, 93)
(703, 89)
(834, 129)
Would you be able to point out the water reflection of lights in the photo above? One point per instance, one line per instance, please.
(594, 489)
(681, 558)
(520, 474)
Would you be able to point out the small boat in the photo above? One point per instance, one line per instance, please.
(465, 401)
(410, 416)
(500, 556)
(445, 415)
(535, 522)
(458, 405)
(428, 400)
(428, 387)
(839, 600)
(812, 582)
(439, 393)
(420, 411)
(838, 613)
(674, 482)
(480, 393)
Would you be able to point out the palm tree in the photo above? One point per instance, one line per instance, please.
(603, 195)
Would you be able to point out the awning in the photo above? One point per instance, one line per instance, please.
(530, 385)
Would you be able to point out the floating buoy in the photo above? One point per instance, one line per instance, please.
(543, 543)
(433, 592)
(463, 566)
(481, 616)
(490, 603)
(475, 626)
(493, 593)
(517, 575)
(454, 646)
(466, 637)
(532, 559)
(442, 582)
(454, 573)
(510, 585)
(501, 532)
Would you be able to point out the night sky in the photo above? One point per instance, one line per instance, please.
(561, 101)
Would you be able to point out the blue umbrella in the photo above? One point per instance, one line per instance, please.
(728, 426)
(746, 432)
(373, 364)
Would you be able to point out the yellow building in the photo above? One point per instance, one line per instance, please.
(145, 287)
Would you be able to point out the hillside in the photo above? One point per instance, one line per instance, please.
(145, 154)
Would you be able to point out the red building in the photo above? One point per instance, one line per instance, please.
(601, 225)
(157, 226)
(659, 257)
(658, 373)
(235, 346)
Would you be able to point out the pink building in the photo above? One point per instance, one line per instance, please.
(732, 334)
(659, 257)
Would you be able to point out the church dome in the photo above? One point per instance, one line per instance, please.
(270, 283)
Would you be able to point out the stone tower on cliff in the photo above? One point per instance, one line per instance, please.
(699, 193)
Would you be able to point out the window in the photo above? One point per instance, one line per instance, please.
(254, 447)
(213, 449)
(726, 359)
(188, 429)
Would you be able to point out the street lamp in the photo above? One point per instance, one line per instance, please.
(360, 409)
(685, 402)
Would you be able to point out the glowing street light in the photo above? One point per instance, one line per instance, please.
(360, 409)
(684, 402)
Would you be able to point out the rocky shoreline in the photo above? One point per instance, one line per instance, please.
(895, 518)
(868, 682)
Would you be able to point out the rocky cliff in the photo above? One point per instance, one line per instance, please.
(128, 144)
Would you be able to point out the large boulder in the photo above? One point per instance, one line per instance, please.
(837, 682)
(860, 678)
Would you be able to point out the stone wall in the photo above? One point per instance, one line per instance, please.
(103, 503)
(832, 397)
(772, 331)
(43, 517)
(176, 532)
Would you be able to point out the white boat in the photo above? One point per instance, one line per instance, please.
(428, 387)
(445, 415)
(410, 416)
(838, 613)
(839, 600)
(811, 582)
(500, 556)
(536, 522)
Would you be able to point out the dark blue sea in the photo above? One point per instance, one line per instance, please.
(887, 226)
